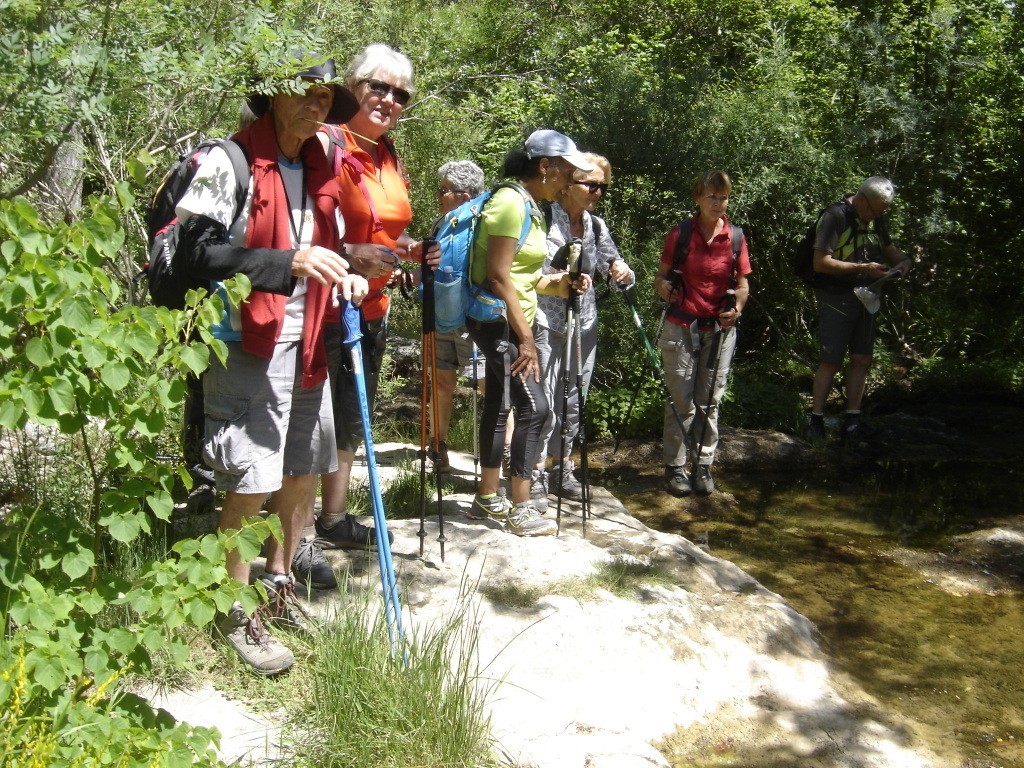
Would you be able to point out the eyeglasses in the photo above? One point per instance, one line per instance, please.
(593, 187)
(446, 191)
(382, 89)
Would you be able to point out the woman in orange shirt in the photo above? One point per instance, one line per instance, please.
(375, 205)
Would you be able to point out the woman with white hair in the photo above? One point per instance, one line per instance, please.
(375, 205)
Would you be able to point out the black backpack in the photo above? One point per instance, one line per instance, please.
(166, 287)
(803, 254)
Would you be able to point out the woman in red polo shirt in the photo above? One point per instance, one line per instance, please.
(698, 283)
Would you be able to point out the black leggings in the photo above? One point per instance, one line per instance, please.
(500, 348)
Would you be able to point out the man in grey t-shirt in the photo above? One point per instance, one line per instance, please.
(852, 248)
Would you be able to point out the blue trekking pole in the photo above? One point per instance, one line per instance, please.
(392, 605)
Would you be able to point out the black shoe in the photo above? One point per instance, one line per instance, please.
(703, 482)
(855, 428)
(676, 481)
(348, 533)
(311, 567)
(815, 429)
(565, 483)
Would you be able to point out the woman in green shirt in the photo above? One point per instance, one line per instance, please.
(542, 169)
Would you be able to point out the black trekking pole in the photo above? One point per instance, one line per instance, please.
(654, 359)
(728, 302)
(428, 398)
(581, 403)
(571, 317)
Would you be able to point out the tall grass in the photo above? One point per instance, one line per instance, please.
(368, 708)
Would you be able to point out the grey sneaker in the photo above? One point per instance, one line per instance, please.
(253, 642)
(676, 481)
(311, 567)
(566, 484)
(283, 608)
(525, 520)
(539, 489)
(493, 507)
(348, 533)
(703, 482)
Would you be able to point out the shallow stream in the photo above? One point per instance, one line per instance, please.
(892, 558)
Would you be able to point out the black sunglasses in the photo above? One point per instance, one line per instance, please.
(382, 89)
(593, 187)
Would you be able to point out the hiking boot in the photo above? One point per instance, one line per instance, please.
(676, 481)
(539, 489)
(525, 520)
(311, 567)
(855, 428)
(703, 482)
(347, 533)
(815, 429)
(566, 484)
(442, 464)
(493, 507)
(253, 642)
(283, 608)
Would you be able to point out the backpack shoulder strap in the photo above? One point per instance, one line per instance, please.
(531, 209)
(243, 171)
(737, 243)
(682, 244)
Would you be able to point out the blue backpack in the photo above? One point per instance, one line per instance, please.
(456, 297)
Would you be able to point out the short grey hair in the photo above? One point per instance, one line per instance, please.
(878, 189)
(382, 58)
(463, 176)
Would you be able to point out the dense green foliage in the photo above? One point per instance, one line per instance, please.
(797, 100)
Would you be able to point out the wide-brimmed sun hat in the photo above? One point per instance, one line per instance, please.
(344, 106)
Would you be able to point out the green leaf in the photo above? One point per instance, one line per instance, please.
(196, 358)
(39, 352)
(62, 396)
(125, 528)
(116, 376)
(11, 413)
(161, 503)
(249, 544)
(33, 400)
(202, 612)
(77, 564)
(76, 312)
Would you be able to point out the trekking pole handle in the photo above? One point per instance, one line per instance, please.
(350, 319)
(728, 301)
(425, 245)
(574, 265)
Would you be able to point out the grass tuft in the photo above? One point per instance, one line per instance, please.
(372, 709)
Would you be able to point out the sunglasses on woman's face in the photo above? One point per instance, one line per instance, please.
(382, 89)
(593, 187)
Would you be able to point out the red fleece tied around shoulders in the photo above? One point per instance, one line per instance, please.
(270, 227)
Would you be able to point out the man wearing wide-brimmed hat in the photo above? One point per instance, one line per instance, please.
(269, 422)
